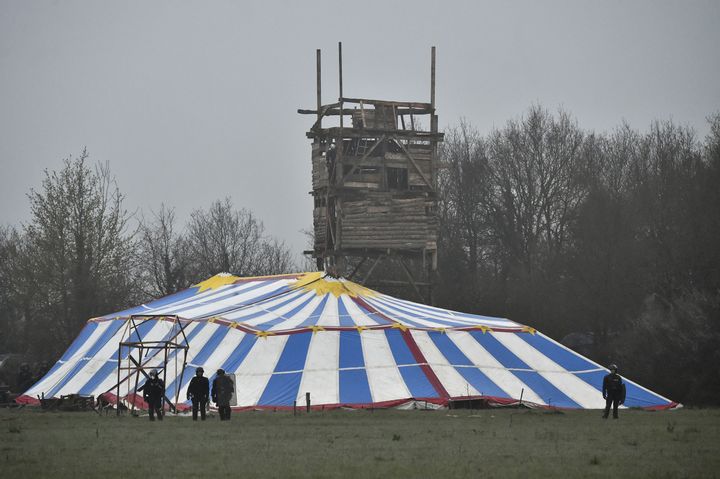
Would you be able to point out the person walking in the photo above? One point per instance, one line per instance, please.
(613, 391)
(222, 393)
(153, 394)
(198, 391)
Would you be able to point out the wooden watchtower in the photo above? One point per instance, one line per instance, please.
(374, 186)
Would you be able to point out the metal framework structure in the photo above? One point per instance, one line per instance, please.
(136, 355)
(374, 187)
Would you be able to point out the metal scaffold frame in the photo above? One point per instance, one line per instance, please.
(142, 355)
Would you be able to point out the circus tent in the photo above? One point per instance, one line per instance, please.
(346, 345)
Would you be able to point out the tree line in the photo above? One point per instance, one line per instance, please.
(82, 255)
(608, 240)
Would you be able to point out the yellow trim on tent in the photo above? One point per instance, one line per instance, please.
(215, 282)
(316, 282)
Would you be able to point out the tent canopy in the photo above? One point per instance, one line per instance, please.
(347, 345)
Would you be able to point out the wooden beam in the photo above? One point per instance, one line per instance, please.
(319, 83)
(357, 267)
(412, 160)
(349, 111)
(322, 112)
(432, 78)
(411, 279)
(359, 162)
(374, 133)
(340, 100)
(372, 268)
(408, 104)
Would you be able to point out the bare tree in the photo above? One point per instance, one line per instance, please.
(536, 163)
(464, 204)
(223, 239)
(665, 177)
(275, 258)
(163, 254)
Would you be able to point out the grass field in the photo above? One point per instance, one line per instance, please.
(387, 443)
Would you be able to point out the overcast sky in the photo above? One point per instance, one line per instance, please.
(194, 101)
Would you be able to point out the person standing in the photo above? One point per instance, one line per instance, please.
(613, 391)
(222, 392)
(198, 391)
(153, 394)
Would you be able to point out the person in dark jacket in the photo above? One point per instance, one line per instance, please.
(222, 393)
(198, 392)
(613, 391)
(153, 394)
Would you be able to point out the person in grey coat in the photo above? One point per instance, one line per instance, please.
(222, 392)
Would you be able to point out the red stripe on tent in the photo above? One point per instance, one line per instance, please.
(672, 405)
(412, 345)
(420, 358)
(27, 400)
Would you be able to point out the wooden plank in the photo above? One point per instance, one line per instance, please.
(392, 156)
(407, 104)
(335, 111)
(359, 184)
(372, 133)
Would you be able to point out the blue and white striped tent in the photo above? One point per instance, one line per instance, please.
(346, 345)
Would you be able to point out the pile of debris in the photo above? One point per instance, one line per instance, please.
(70, 402)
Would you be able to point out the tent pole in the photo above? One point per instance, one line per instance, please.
(137, 378)
(117, 392)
